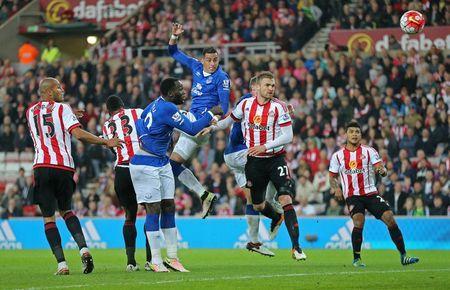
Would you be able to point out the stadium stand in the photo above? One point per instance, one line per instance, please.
(400, 97)
(9, 7)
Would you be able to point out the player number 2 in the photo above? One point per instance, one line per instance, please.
(283, 170)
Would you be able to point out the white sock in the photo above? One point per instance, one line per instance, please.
(84, 250)
(155, 246)
(188, 178)
(253, 227)
(170, 235)
(62, 265)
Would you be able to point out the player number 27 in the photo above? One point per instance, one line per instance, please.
(283, 170)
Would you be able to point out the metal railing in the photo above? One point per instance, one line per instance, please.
(228, 50)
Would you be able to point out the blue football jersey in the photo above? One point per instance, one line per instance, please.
(155, 128)
(207, 91)
(236, 141)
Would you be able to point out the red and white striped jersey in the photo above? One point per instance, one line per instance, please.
(262, 123)
(356, 170)
(123, 126)
(50, 125)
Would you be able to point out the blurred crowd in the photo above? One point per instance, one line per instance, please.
(384, 14)
(10, 7)
(401, 99)
(289, 23)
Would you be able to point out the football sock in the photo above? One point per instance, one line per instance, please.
(290, 220)
(74, 226)
(253, 223)
(152, 233)
(129, 236)
(148, 252)
(169, 230)
(177, 167)
(54, 240)
(397, 238)
(270, 212)
(356, 242)
(188, 178)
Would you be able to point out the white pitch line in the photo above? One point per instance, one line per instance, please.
(242, 278)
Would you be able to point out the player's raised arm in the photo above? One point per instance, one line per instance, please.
(223, 89)
(177, 30)
(85, 136)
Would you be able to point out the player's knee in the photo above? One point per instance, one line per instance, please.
(167, 206)
(358, 220)
(258, 207)
(286, 192)
(177, 158)
(285, 199)
(153, 208)
(388, 218)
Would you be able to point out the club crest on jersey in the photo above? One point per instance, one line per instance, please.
(257, 120)
(209, 80)
(353, 168)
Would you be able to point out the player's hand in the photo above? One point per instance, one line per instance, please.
(338, 194)
(114, 142)
(253, 151)
(78, 113)
(204, 131)
(177, 29)
(381, 170)
(217, 110)
(290, 109)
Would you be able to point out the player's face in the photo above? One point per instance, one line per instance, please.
(267, 88)
(210, 62)
(354, 136)
(180, 95)
(57, 92)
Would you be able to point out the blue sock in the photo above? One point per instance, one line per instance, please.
(177, 167)
(249, 210)
(167, 220)
(152, 223)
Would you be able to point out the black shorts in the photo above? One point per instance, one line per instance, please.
(259, 171)
(374, 204)
(53, 189)
(123, 186)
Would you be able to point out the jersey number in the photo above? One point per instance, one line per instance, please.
(284, 171)
(47, 122)
(126, 128)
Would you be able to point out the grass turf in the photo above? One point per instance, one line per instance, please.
(230, 269)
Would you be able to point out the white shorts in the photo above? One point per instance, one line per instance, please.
(236, 162)
(187, 144)
(152, 184)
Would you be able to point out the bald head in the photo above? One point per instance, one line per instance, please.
(50, 89)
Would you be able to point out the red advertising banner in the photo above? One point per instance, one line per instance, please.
(107, 13)
(379, 38)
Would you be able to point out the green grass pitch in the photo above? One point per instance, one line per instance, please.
(230, 269)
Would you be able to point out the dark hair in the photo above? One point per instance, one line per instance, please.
(209, 49)
(265, 75)
(114, 103)
(167, 85)
(352, 124)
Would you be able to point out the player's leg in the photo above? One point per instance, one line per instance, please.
(279, 175)
(123, 186)
(167, 220)
(147, 185)
(381, 210)
(256, 172)
(43, 196)
(184, 149)
(66, 188)
(357, 212)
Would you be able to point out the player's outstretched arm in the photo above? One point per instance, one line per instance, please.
(177, 30)
(181, 122)
(85, 136)
(380, 169)
(221, 125)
